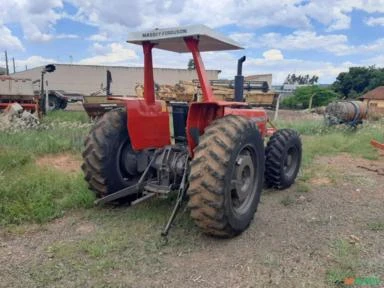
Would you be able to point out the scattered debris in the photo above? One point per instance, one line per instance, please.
(379, 170)
(15, 118)
(353, 239)
(301, 199)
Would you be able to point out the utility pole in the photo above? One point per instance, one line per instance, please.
(14, 66)
(6, 62)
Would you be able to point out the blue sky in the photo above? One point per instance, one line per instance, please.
(280, 36)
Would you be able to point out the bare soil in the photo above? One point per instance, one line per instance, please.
(66, 162)
(290, 243)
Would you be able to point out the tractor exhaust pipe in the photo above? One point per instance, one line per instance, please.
(109, 81)
(239, 81)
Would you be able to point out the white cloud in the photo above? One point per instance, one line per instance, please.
(273, 55)
(225, 61)
(37, 18)
(308, 40)
(98, 37)
(375, 21)
(112, 54)
(305, 40)
(9, 41)
(66, 36)
(115, 17)
(33, 61)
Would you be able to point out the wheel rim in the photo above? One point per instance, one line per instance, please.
(51, 105)
(126, 161)
(290, 161)
(243, 181)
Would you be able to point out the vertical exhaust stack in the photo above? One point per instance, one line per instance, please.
(239, 81)
(109, 81)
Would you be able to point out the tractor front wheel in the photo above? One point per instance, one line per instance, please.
(110, 164)
(283, 158)
(226, 176)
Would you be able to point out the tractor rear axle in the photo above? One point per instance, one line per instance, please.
(166, 172)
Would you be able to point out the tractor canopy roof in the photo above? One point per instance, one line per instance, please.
(172, 39)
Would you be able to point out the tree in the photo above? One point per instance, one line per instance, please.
(301, 79)
(191, 64)
(301, 97)
(358, 80)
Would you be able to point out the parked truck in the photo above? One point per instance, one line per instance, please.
(18, 90)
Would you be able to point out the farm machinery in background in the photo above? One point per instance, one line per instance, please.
(17, 90)
(33, 95)
(256, 93)
(208, 151)
(351, 113)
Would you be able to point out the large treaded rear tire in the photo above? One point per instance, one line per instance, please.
(212, 169)
(278, 174)
(102, 155)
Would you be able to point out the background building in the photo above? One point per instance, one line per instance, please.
(87, 79)
(375, 100)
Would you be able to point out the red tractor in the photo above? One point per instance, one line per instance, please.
(211, 152)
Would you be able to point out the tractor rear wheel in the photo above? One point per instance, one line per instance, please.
(110, 164)
(283, 158)
(226, 176)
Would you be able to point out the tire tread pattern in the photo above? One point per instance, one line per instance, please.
(274, 154)
(207, 175)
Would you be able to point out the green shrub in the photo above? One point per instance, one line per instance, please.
(301, 97)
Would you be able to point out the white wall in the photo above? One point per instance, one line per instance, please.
(86, 79)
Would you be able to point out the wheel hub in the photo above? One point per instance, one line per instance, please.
(290, 161)
(127, 161)
(243, 181)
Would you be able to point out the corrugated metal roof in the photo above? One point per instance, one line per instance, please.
(377, 94)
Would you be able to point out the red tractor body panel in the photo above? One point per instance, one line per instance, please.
(202, 114)
(148, 125)
(259, 116)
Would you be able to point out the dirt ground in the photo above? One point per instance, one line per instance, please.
(292, 241)
(66, 162)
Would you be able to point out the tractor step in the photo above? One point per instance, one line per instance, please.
(156, 188)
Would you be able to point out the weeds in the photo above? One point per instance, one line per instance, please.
(346, 258)
(38, 195)
(376, 226)
(319, 140)
(287, 201)
(32, 194)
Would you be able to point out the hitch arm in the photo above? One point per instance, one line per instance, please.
(180, 197)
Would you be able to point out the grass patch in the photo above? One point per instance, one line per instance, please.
(32, 194)
(320, 140)
(302, 187)
(60, 131)
(125, 242)
(376, 226)
(287, 201)
(66, 116)
(346, 258)
(10, 159)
